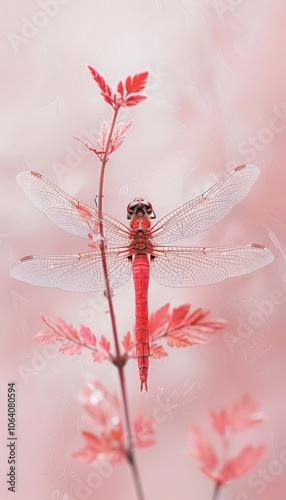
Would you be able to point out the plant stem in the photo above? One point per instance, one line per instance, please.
(216, 491)
(102, 243)
(130, 455)
(130, 447)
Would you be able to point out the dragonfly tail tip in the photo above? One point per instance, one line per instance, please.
(144, 385)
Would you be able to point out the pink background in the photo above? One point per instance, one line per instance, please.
(216, 100)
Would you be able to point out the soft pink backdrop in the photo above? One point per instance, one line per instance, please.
(217, 83)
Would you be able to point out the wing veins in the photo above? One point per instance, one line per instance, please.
(198, 266)
(69, 214)
(206, 210)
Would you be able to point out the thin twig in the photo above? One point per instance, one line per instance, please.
(216, 491)
(130, 447)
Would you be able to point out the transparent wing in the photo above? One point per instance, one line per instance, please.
(67, 213)
(187, 266)
(208, 209)
(80, 272)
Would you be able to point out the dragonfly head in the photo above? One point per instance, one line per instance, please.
(139, 205)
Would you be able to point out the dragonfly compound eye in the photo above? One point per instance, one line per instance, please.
(139, 204)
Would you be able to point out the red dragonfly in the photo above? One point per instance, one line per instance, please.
(138, 247)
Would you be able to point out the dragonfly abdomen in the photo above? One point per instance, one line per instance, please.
(141, 273)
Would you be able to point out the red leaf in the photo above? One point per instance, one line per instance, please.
(215, 324)
(220, 421)
(128, 343)
(96, 447)
(210, 325)
(158, 321)
(108, 99)
(85, 454)
(100, 403)
(85, 143)
(196, 316)
(87, 335)
(103, 135)
(67, 330)
(48, 322)
(70, 349)
(243, 463)
(133, 100)
(104, 343)
(157, 351)
(104, 87)
(99, 357)
(107, 441)
(178, 338)
(244, 414)
(133, 84)
(178, 316)
(136, 83)
(120, 88)
(93, 441)
(61, 328)
(144, 430)
(186, 329)
(120, 132)
(46, 337)
(189, 334)
(203, 450)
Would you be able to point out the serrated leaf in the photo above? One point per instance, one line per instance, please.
(219, 421)
(120, 88)
(203, 449)
(99, 356)
(103, 136)
(104, 343)
(178, 339)
(104, 87)
(127, 342)
(68, 330)
(70, 349)
(85, 143)
(243, 463)
(120, 132)
(244, 414)
(157, 351)
(197, 316)
(87, 335)
(144, 430)
(46, 337)
(178, 316)
(136, 83)
(133, 100)
(48, 322)
(194, 335)
(158, 320)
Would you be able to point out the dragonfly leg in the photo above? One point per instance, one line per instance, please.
(96, 198)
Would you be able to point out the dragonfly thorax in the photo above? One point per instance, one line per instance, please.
(140, 242)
